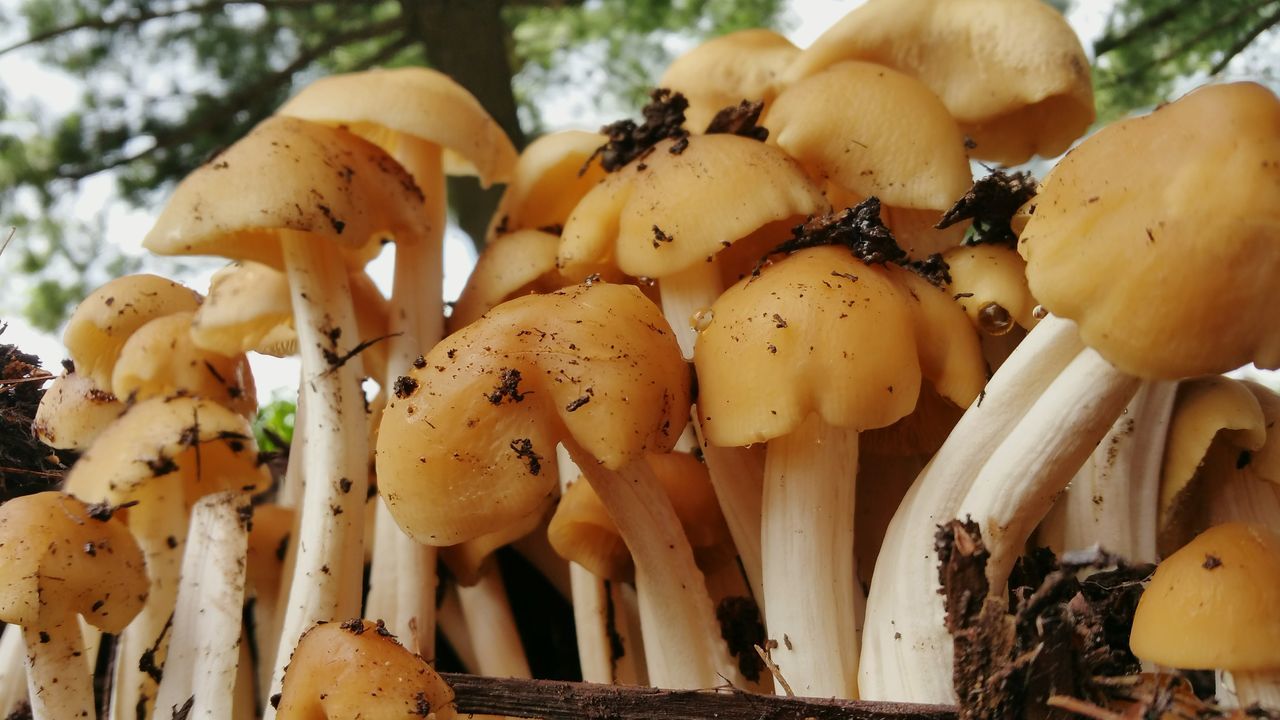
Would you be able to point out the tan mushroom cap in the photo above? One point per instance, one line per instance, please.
(290, 176)
(407, 104)
(247, 308)
(57, 558)
(470, 447)
(511, 265)
(467, 560)
(549, 179)
(1212, 604)
(873, 131)
(724, 71)
(805, 337)
(1011, 72)
(161, 436)
(582, 531)
(990, 284)
(1161, 232)
(357, 669)
(74, 411)
(160, 360)
(104, 320)
(682, 209)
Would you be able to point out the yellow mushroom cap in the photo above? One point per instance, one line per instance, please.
(247, 308)
(161, 360)
(549, 179)
(723, 71)
(665, 212)
(1212, 604)
(416, 103)
(57, 558)
(520, 263)
(290, 175)
(104, 320)
(468, 443)
(357, 669)
(1011, 72)
(873, 131)
(161, 436)
(73, 412)
(467, 560)
(1160, 236)
(989, 282)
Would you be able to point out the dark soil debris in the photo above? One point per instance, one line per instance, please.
(405, 386)
(628, 141)
(859, 229)
(508, 387)
(523, 448)
(991, 204)
(742, 629)
(741, 119)
(26, 465)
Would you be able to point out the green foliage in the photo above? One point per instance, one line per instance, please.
(1150, 44)
(274, 424)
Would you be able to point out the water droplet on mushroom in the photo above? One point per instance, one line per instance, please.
(993, 319)
(1039, 312)
(703, 319)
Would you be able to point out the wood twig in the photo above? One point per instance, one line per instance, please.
(556, 700)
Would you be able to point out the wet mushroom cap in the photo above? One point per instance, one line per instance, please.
(724, 71)
(59, 556)
(1212, 604)
(1162, 231)
(467, 444)
(357, 669)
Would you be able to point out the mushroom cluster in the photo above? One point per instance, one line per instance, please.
(720, 374)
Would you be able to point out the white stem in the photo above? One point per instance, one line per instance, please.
(681, 635)
(326, 585)
(493, 627)
(1018, 484)
(58, 683)
(1242, 498)
(291, 489)
(905, 647)
(159, 522)
(687, 293)
(381, 601)
(1261, 688)
(13, 670)
(737, 476)
(814, 603)
(454, 628)
(626, 608)
(204, 647)
(1113, 501)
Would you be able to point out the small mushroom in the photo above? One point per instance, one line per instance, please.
(726, 70)
(74, 411)
(549, 178)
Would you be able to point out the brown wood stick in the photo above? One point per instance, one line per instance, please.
(555, 700)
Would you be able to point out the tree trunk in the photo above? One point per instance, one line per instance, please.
(468, 40)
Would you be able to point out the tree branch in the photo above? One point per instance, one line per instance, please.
(97, 23)
(1107, 43)
(1244, 41)
(555, 700)
(1222, 23)
(235, 101)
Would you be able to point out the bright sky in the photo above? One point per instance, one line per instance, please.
(27, 80)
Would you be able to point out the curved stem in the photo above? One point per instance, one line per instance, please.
(59, 685)
(1262, 688)
(684, 295)
(737, 476)
(814, 603)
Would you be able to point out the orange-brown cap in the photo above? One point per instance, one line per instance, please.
(519, 263)
(990, 284)
(1012, 72)
(74, 411)
(724, 71)
(290, 175)
(357, 669)
(59, 557)
(550, 177)
(1160, 236)
(468, 443)
(1212, 604)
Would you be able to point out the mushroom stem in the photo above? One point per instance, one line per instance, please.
(327, 571)
(493, 627)
(1261, 688)
(454, 628)
(814, 604)
(737, 476)
(905, 646)
(1018, 483)
(687, 293)
(683, 646)
(1113, 500)
(159, 523)
(1244, 499)
(13, 670)
(59, 684)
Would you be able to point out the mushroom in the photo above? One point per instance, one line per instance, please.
(356, 669)
(803, 328)
(863, 130)
(1211, 605)
(1012, 72)
(518, 263)
(73, 411)
(1132, 201)
(470, 446)
(725, 70)
(58, 559)
(549, 178)
(310, 199)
